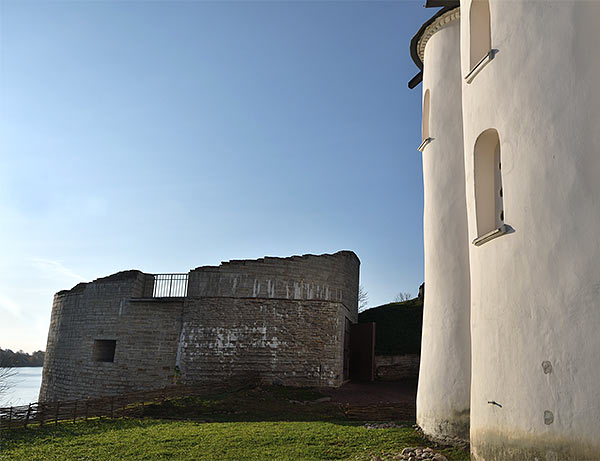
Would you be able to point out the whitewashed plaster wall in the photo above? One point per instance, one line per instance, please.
(535, 291)
(444, 378)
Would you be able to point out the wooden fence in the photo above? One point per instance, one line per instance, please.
(116, 406)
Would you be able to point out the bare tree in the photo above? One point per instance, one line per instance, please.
(363, 298)
(6, 373)
(401, 297)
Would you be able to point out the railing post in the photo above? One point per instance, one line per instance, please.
(112, 404)
(56, 414)
(9, 416)
(170, 285)
(74, 411)
(27, 416)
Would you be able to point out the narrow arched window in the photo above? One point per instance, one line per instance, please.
(480, 37)
(425, 127)
(489, 203)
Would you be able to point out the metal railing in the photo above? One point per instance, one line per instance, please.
(170, 285)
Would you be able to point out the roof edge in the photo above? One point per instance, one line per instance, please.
(448, 5)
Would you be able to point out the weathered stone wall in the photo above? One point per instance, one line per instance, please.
(396, 367)
(289, 342)
(275, 319)
(229, 326)
(324, 277)
(145, 334)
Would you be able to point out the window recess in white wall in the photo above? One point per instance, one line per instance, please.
(480, 38)
(489, 194)
(425, 125)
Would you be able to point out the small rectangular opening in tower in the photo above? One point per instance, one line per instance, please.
(104, 350)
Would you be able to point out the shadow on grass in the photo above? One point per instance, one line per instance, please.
(269, 403)
(259, 404)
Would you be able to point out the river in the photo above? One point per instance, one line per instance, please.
(24, 387)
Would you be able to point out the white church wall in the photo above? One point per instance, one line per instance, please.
(535, 290)
(444, 382)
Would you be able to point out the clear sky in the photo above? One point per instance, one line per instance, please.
(163, 136)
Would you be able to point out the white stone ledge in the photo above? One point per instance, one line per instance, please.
(503, 229)
(426, 141)
(480, 65)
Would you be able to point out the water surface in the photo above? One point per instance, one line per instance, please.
(24, 387)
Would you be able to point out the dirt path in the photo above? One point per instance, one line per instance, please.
(377, 400)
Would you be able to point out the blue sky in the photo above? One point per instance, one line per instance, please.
(162, 136)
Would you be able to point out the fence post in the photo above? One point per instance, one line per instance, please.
(27, 417)
(128, 403)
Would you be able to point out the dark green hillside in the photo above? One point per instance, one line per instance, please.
(398, 329)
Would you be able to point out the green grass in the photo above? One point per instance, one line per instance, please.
(398, 329)
(150, 439)
(250, 424)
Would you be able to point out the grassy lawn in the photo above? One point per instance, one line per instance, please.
(245, 425)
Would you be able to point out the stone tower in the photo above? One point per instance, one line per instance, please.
(530, 117)
(269, 320)
(442, 409)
